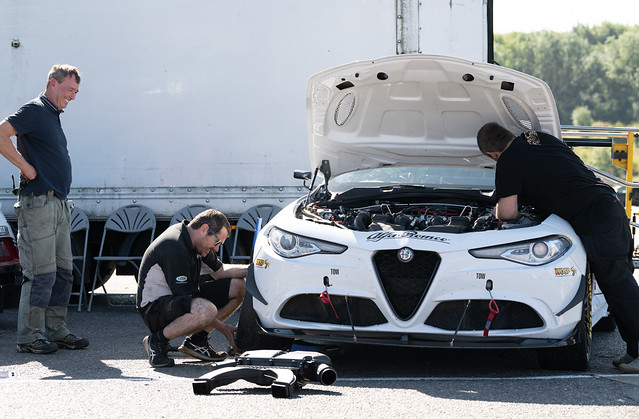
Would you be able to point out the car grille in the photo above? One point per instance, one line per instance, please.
(405, 284)
(512, 315)
(309, 308)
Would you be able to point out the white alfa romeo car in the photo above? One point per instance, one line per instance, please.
(396, 242)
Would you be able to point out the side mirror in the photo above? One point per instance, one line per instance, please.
(302, 175)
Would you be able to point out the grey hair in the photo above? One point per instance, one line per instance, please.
(60, 72)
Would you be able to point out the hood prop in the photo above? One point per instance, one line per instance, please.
(325, 168)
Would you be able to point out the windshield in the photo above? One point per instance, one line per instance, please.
(445, 177)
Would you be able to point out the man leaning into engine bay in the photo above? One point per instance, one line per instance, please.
(175, 300)
(539, 169)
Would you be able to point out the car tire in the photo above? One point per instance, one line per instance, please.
(12, 293)
(249, 336)
(575, 357)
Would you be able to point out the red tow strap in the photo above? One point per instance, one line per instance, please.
(326, 299)
(494, 309)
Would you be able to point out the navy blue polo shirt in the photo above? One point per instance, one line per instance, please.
(42, 143)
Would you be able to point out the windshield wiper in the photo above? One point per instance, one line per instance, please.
(404, 186)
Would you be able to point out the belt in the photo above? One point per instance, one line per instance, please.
(50, 192)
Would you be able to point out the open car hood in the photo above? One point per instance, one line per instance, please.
(419, 110)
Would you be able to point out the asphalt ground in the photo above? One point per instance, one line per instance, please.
(112, 378)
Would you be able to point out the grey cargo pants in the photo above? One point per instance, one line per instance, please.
(44, 246)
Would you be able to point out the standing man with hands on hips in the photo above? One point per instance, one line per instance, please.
(44, 237)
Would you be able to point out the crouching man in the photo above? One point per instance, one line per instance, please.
(169, 297)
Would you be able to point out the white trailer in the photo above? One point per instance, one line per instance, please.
(203, 101)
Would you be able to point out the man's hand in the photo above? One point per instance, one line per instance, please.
(9, 151)
(229, 333)
(29, 172)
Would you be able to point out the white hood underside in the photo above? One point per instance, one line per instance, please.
(419, 110)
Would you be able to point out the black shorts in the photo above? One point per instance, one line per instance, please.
(158, 314)
(215, 290)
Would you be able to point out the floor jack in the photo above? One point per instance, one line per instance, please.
(284, 371)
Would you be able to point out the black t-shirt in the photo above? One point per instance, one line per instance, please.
(42, 143)
(546, 174)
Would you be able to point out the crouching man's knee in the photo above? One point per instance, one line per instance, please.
(237, 289)
(203, 311)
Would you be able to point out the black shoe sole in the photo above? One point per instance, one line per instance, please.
(193, 354)
(168, 363)
(27, 350)
(63, 345)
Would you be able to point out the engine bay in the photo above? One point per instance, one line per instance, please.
(442, 212)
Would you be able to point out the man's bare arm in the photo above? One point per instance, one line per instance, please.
(507, 208)
(9, 151)
(231, 271)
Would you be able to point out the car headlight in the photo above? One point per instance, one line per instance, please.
(534, 252)
(291, 245)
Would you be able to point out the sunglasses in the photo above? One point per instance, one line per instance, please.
(211, 232)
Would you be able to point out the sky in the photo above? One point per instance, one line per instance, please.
(561, 15)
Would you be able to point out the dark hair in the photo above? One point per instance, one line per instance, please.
(493, 137)
(61, 71)
(215, 219)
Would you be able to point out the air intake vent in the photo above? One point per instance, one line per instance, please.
(345, 109)
(520, 116)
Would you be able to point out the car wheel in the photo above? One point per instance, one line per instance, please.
(575, 357)
(248, 331)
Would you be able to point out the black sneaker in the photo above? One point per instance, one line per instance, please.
(40, 346)
(72, 342)
(204, 352)
(629, 367)
(156, 353)
(623, 359)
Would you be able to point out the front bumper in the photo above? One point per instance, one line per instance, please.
(420, 340)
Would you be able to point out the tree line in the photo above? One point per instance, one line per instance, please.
(593, 73)
(593, 69)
